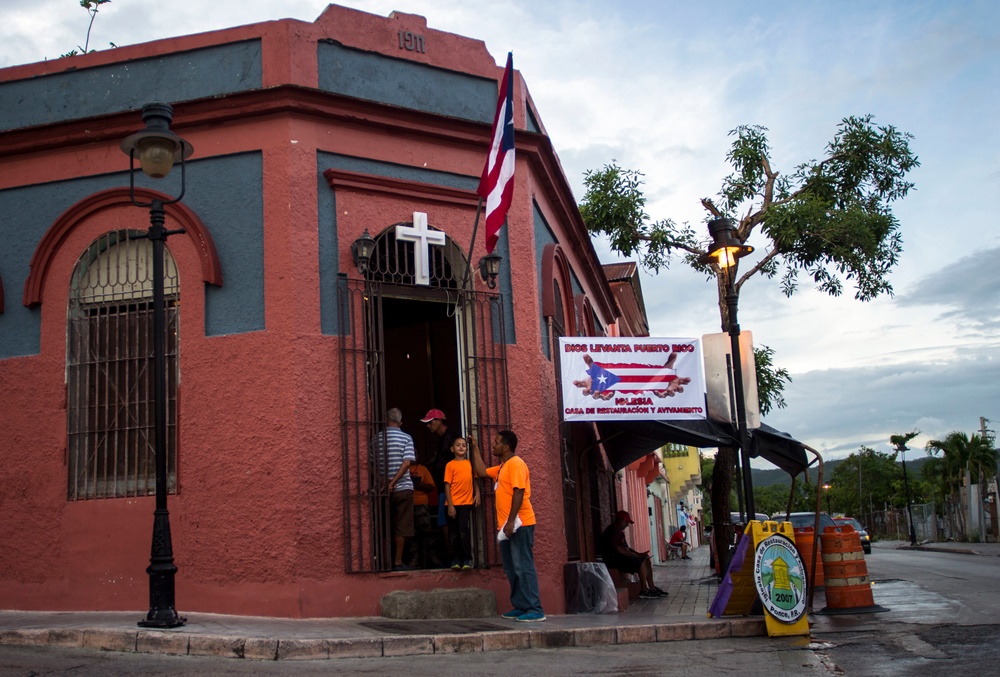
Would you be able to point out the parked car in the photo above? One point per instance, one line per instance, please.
(866, 542)
(734, 517)
(806, 519)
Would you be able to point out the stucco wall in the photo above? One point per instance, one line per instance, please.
(257, 521)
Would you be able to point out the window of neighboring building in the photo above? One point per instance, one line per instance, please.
(109, 369)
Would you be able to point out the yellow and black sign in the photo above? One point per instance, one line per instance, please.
(766, 567)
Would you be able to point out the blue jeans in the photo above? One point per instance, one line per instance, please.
(519, 565)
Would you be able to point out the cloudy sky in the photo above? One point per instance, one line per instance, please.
(657, 85)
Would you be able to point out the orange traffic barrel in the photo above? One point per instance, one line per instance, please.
(804, 538)
(847, 583)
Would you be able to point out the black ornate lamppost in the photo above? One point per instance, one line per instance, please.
(725, 252)
(157, 148)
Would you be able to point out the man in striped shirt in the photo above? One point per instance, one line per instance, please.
(394, 452)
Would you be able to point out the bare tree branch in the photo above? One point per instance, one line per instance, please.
(760, 264)
(710, 206)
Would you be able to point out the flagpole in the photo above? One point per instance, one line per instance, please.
(475, 231)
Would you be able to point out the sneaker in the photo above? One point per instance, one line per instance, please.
(649, 594)
(661, 593)
(513, 613)
(685, 557)
(467, 565)
(401, 567)
(456, 565)
(531, 617)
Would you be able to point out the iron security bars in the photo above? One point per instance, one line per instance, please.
(109, 370)
(482, 349)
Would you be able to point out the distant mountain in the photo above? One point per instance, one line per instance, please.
(765, 478)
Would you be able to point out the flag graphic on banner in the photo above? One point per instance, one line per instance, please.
(629, 377)
(496, 186)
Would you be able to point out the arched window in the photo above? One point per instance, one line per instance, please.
(109, 369)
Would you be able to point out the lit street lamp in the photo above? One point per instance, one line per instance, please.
(157, 149)
(725, 252)
(826, 488)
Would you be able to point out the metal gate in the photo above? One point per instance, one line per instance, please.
(484, 395)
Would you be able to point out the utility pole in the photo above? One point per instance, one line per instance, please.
(987, 436)
(861, 508)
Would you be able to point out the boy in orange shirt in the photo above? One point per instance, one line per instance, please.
(461, 494)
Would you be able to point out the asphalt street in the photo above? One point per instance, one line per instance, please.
(943, 616)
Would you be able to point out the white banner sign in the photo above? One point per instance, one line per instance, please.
(631, 378)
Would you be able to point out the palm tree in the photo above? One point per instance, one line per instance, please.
(964, 456)
(963, 453)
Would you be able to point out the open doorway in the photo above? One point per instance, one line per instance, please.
(421, 364)
(421, 359)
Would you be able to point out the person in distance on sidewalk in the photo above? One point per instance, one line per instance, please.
(679, 541)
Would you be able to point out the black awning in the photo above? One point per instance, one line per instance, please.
(778, 448)
(627, 441)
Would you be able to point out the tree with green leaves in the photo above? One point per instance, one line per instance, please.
(962, 454)
(865, 478)
(830, 219)
(92, 7)
(965, 459)
(770, 380)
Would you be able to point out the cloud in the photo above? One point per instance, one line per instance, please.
(968, 287)
(837, 410)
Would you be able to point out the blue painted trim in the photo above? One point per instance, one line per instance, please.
(405, 83)
(80, 94)
(225, 192)
(392, 170)
(329, 247)
(543, 236)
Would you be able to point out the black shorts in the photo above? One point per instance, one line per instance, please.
(624, 563)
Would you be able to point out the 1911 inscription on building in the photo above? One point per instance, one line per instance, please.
(411, 42)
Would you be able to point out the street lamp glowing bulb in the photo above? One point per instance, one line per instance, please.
(156, 156)
(727, 256)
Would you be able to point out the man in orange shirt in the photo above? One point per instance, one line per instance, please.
(515, 524)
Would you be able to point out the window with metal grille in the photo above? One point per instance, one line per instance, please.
(109, 369)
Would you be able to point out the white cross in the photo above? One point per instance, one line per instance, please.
(421, 239)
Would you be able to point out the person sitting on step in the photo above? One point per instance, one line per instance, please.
(618, 555)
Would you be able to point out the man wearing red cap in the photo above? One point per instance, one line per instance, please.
(436, 423)
(617, 555)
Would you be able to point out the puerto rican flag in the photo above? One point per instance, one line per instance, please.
(629, 377)
(496, 186)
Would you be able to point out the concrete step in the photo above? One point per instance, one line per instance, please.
(445, 603)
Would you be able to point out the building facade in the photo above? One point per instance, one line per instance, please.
(283, 353)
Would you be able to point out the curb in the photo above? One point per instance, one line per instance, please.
(256, 648)
(926, 548)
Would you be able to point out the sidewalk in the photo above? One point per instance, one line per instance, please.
(683, 615)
